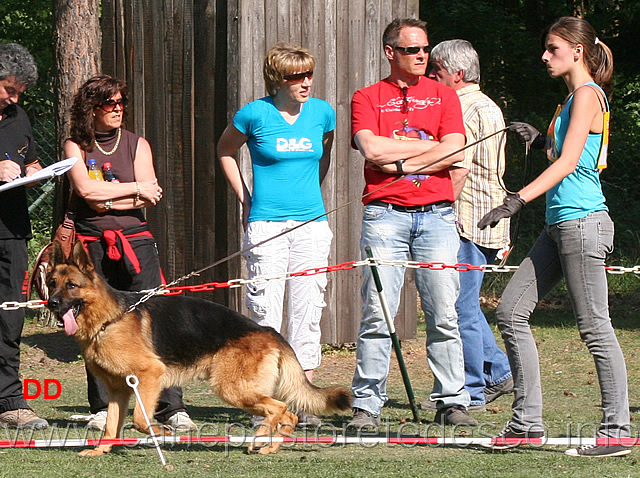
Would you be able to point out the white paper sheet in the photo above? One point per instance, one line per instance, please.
(55, 169)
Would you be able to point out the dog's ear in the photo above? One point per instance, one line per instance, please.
(56, 255)
(80, 257)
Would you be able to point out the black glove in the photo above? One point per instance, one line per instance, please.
(512, 204)
(528, 135)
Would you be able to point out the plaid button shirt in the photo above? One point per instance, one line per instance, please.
(485, 161)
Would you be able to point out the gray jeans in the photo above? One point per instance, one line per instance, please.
(575, 250)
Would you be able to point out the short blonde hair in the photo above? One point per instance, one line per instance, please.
(284, 59)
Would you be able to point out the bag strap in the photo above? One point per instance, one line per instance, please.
(66, 233)
(606, 117)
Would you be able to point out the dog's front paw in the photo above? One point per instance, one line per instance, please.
(97, 451)
(94, 451)
(269, 449)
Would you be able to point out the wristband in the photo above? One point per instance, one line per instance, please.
(399, 166)
(540, 142)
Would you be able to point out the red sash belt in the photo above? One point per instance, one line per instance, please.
(118, 244)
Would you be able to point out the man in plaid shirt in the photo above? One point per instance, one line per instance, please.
(456, 64)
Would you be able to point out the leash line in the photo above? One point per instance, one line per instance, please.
(287, 231)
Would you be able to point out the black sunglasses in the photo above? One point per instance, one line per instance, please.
(109, 105)
(298, 77)
(413, 50)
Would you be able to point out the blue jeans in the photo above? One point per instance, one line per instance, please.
(575, 250)
(425, 237)
(484, 362)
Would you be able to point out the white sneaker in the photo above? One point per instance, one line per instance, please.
(98, 421)
(181, 421)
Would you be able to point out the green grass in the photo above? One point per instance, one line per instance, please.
(571, 397)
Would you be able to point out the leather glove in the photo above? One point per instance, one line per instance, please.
(512, 204)
(528, 135)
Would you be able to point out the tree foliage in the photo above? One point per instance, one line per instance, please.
(29, 23)
(507, 36)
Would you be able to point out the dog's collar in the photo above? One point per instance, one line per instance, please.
(110, 322)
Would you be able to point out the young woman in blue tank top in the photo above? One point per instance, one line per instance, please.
(577, 237)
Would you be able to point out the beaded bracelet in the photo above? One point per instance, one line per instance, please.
(137, 192)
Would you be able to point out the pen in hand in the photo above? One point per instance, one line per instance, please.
(9, 158)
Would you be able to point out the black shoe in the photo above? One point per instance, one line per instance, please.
(455, 415)
(308, 419)
(510, 438)
(599, 450)
(364, 419)
(256, 421)
(491, 392)
(431, 405)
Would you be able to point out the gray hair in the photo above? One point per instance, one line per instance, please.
(17, 62)
(456, 55)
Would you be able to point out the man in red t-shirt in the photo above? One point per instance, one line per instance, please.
(409, 128)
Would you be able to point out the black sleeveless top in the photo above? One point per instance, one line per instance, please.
(87, 219)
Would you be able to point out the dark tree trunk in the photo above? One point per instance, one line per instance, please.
(77, 42)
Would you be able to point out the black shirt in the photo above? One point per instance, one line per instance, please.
(17, 144)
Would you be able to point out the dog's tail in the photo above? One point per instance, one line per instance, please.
(299, 394)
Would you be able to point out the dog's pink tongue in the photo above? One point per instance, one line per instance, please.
(70, 324)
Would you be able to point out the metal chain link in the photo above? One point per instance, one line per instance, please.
(622, 270)
(32, 304)
(436, 266)
(234, 283)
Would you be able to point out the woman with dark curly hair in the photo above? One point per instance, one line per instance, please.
(109, 215)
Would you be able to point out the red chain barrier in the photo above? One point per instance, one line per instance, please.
(345, 266)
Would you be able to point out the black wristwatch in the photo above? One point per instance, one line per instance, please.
(399, 166)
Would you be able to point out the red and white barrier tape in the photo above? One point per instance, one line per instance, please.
(339, 440)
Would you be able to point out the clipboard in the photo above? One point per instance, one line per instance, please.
(51, 171)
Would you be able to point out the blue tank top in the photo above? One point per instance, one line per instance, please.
(580, 193)
(285, 158)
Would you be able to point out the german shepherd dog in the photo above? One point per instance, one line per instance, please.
(169, 340)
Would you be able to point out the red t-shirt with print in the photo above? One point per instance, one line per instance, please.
(432, 111)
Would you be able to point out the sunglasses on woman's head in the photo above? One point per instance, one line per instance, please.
(110, 104)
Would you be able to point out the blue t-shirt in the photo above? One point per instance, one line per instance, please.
(285, 158)
(580, 193)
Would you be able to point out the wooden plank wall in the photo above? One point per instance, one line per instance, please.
(190, 65)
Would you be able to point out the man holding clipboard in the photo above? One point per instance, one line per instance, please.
(18, 157)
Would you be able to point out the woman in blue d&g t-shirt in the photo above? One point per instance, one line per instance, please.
(289, 135)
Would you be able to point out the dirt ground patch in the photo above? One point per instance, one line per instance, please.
(47, 346)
